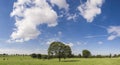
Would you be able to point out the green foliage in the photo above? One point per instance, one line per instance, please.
(33, 55)
(99, 56)
(44, 56)
(86, 53)
(36, 56)
(79, 55)
(39, 56)
(110, 56)
(58, 49)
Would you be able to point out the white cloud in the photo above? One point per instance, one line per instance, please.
(95, 36)
(49, 41)
(72, 17)
(59, 33)
(28, 15)
(111, 37)
(79, 43)
(90, 9)
(60, 3)
(70, 44)
(114, 32)
(85, 43)
(100, 42)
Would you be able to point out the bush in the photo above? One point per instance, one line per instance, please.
(39, 56)
(86, 53)
(34, 55)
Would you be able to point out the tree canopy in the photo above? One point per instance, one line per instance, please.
(59, 50)
(86, 53)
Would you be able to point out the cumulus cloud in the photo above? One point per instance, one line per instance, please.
(28, 15)
(114, 32)
(90, 9)
(61, 4)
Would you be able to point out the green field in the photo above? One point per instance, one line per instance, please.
(26, 60)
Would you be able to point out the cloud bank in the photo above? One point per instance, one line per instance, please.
(90, 9)
(28, 15)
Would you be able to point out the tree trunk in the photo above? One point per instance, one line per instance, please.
(59, 59)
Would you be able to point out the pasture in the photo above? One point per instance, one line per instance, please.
(27, 60)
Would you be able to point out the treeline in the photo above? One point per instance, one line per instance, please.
(39, 56)
(97, 56)
(60, 50)
(106, 56)
(5, 54)
(43, 56)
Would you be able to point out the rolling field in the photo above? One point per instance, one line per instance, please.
(26, 60)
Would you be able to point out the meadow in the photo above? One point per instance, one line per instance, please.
(27, 60)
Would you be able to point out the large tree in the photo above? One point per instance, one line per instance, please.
(67, 51)
(86, 53)
(59, 50)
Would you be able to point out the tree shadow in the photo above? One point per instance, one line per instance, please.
(70, 61)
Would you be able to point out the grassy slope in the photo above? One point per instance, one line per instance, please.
(18, 60)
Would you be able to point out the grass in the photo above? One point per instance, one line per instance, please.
(27, 60)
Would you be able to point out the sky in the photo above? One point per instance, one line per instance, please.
(29, 26)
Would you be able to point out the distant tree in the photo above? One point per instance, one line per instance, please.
(59, 50)
(39, 56)
(79, 55)
(99, 56)
(34, 55)
(44, 57)
(5, 54)
(93, 56)
(72, 55)
(115, 55)
(110, 56)
(118, 55)
(86, 53)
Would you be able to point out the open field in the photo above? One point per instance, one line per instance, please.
(26, 60)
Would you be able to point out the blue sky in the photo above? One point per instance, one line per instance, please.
(29, 26)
